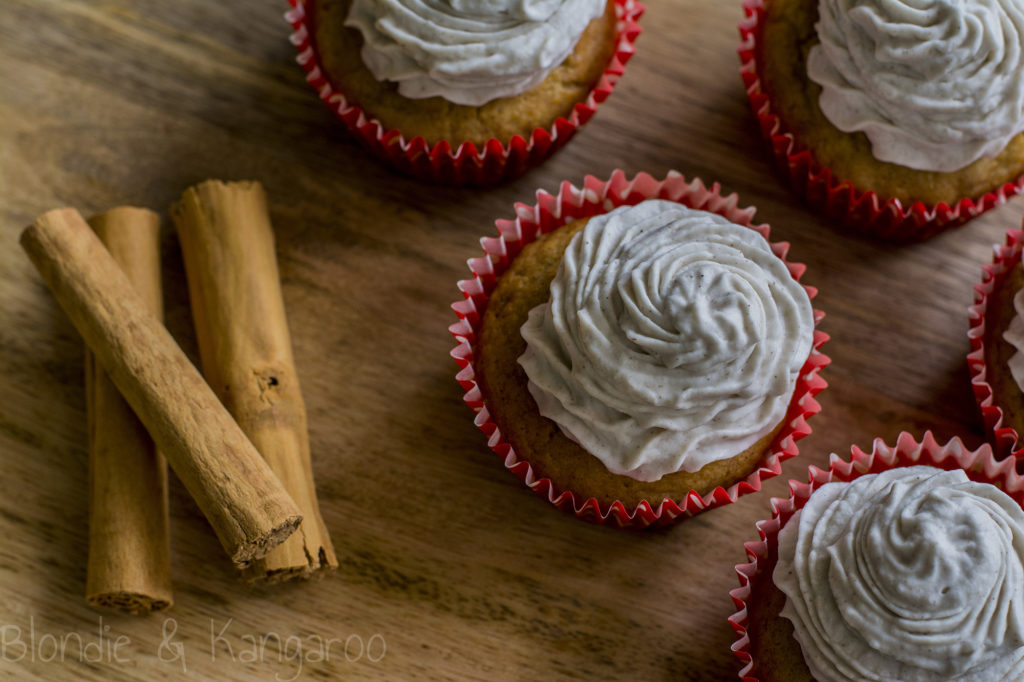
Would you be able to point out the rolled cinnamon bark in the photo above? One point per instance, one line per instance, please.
(227, 244)
(249, 510)
(129, 546)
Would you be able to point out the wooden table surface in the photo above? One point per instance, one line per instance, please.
(450, 567)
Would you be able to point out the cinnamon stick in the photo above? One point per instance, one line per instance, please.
(129, 546)
(227, 244)
(241, 498)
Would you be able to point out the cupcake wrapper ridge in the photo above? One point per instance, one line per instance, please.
(979, 464)
(596, 197)
(466, 164)
(1005, 439)
(861, 211)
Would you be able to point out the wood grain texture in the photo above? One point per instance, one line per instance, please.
(443, 554)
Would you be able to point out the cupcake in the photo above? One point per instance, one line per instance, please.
(896, 117)
(465, 90)
(996, 333)
(906, 563)
(641, 357)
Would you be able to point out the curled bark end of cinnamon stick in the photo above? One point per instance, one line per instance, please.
(262, 572)
(133, 603)
(264, 544)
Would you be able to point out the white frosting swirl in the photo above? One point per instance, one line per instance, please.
(672, 338)
(912, 574)
(468, 51)
(934, 84)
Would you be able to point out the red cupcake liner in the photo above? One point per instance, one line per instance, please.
(980, 465)
(1005, 439)
(493, 162)
(862, 211)
(596, 197)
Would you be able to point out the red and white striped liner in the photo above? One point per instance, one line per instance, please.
(979, 464)
(596, 197)
(465, 164)
(862, 211)
(1005, 439)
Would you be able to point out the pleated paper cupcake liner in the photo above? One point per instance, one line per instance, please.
(1004, 438)
(861, 211)
(596, 197)
(979, 464)
(454, 161)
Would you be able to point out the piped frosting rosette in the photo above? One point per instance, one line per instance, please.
(468, 51)
(596, 197)
(909, 574)
(934, 85)
(461, 162)
(673, 338)
(912, 568)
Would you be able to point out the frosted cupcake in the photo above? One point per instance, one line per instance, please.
(907, 565)
(898, 117)
(651, 353)
(467, 77)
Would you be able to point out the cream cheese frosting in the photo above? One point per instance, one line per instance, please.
(912, 574)
(672, 338)
(468, 51)
(934, 84)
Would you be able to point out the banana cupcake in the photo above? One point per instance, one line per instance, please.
(897, 117)
(906, 563)
(649, 354)
(466, 78)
